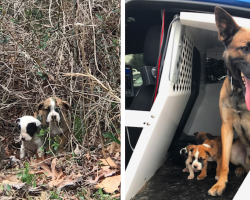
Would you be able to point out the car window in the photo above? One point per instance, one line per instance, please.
(136, 61)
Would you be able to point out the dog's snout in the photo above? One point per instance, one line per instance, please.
(195, 166)
(23, 139)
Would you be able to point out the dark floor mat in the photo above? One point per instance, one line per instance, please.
(170, 183)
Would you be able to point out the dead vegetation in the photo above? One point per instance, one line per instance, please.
(68, 49)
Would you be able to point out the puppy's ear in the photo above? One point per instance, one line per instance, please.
(17, 121)
(37, 122)
(195, 134)
(226, 25)
(209, 135)
(190, 147)
(66, 105)
(209, 151)
(40, 106)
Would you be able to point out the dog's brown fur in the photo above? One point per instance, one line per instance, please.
(200, 137)
(214, 151)
(233, 110)
(42, 113)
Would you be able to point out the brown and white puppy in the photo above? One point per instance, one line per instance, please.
(187, 153)
(200, 137)
(53, 114)
(239, 157)
(210, 150)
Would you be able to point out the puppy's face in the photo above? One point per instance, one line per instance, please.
(52, 108)
(200, 137)
(200, 156)
(27, 126)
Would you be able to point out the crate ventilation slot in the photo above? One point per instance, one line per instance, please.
(186, 59)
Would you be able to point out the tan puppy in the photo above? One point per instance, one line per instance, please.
(53, 114)
(210, 150)
(200, 137)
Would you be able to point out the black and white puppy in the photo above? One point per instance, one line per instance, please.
(187, 152)
(29, 128)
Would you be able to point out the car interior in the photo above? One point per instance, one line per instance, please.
(142, 38)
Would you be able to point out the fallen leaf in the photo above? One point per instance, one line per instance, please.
(109, 162)
(110, 184)
(10, 178)
(107, 171)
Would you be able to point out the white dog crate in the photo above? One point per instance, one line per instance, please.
(159, 125)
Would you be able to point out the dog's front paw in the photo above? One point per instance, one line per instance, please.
(190, 177)
(201, 177)
(216, 177)
(240, 171)
(217, 189)
(185, 170)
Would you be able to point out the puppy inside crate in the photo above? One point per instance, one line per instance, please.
(211, 151)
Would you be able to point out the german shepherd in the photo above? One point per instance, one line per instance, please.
(234, 100)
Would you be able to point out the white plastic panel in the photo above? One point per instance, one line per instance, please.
(138, 118)
(243, 192)
(151, 149)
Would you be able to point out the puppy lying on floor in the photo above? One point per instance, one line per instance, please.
(200, 137)
(29, 127)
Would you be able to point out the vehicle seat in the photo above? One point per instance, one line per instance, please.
(143, 98)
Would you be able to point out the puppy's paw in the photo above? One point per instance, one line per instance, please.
(240, 171)
(217, 189)
(185, 170)
(216, 177)
(201, 177)
(190, 177)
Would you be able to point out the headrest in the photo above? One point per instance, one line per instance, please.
(152, 45)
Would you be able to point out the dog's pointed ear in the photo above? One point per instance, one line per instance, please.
(40, 106)
(66, 105)
(195, 134)
(18, 121)
(226, 25)
(209, 135)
